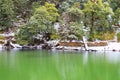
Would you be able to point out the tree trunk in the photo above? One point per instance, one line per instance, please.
(92, 23)
(85, 24)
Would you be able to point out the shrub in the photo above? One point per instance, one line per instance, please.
(118, 37)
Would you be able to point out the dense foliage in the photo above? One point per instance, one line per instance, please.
(6, 13)
(39, 23)
(97, 17)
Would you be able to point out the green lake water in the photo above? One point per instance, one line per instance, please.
(59, 65)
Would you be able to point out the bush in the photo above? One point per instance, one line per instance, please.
(102, 36)
(55, 36)
(22, 42)
(109, 35)
(118, 37)
(2, 38)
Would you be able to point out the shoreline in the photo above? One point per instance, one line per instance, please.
(111, 46)
(73, 45)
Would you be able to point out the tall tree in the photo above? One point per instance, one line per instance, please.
(6, 13)
(72, 19)
(96, 15)
(116, 18)
(40, 22)
(22, 8)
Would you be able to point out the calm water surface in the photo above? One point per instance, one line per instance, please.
(59, 65)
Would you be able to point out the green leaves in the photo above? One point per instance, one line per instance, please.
(53, 12)
(43, 16)
(7, 8)
(116, 18)
(77, 29)
(96, 16)
(75, 13)
(40, 21)
(6, 13)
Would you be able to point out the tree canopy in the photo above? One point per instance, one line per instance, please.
(40, 22)
(6, 13)
(97, 16)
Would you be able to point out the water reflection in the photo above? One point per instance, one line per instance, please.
(8, 57)
(109, 55)
(59, 65)
(113, 57)
(85, 58)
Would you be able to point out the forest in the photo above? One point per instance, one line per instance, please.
(35, 19)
